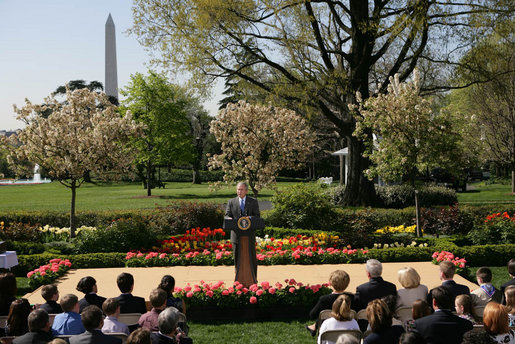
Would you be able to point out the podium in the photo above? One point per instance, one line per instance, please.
(245, 261)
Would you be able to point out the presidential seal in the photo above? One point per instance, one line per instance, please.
(244, 223)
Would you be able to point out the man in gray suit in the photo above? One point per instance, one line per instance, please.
(237, 207)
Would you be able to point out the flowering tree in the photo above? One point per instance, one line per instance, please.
(258, 141)
(85, 133)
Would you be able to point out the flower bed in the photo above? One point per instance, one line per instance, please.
(48, 273)
(460, 263)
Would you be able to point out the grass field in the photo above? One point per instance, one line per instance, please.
(483, 193)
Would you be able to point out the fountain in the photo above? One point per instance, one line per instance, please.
(35, 180)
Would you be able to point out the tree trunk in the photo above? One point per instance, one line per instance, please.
(196, 176)
(513, 181)
(72, 210)
(149, 177)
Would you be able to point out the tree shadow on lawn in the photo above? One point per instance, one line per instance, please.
(187, 197)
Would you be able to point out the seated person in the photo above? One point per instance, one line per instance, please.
(341, 318)
(50, 293)
(477, 337)
(380, 320)
(419, 310)
(139, 336)
(8, 289)
(39, 329)
(413, 290)
(88, 286)
(158, 301)
(495, 321)
(411, 338)
(375, 288)
(511, 271)
(128, 302)
(168, 285)
(339, 281)
(447, 271)
(68, 322)
(486, 291)
(111, 308)
(17, 319)
(465, 310)
(509, 296)
(93, 321)
(168, 329)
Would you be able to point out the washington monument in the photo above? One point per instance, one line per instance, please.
(111, 74)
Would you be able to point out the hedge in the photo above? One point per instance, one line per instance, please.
(279, 232)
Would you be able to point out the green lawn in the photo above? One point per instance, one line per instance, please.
(499, 275)
(483, 193)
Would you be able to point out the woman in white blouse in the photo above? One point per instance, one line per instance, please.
(341, 318)
(413, 290)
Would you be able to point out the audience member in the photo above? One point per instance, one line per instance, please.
(509, 295)
(168, 285)
(419, 310)
(8, 290)
(341, 318)
(412, 338)
(88, 286)
(464, 308)
(442, 327)
(347, 339)
(511, 271)
(380, 320)
(413, 290)
(39, 327)
(168, 330)
(477, 337)
(68, 322)
(57, 341)
(17, 324)
(93, 321)
(486, 291)
(111, 308)
(149, 320)
(495, 320)
(139, 336)
(375, 288)
(128, 302)
(447, 271)
(339, 281)
(50, 293)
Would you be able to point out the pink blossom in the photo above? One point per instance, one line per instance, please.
(291, 290)
(30, 274)
(42, 273)
(162, 255)
(271, 291)
(225, 292)
(259, 292)
(209, 293)
(253, 299)
(189, 294)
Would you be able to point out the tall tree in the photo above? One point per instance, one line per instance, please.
(314, 55)
(199, 122)
(161, 106)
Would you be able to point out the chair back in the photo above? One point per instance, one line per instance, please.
(7, 340)
(129, 318)
(367, 333)
(121, 335)
(478, 328)
(51, 318)
(404, 313)
(3, 321)
(182, 317)
(333, 335)
(362, 314)
(479, 310)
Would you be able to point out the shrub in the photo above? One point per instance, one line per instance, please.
(186, 175)
(445, 221)
(279, 232)
(48, 273)
(401, 196)
(18, 231)
(23, 247)
(497, 228)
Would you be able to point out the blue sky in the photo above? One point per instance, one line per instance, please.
(45, 43)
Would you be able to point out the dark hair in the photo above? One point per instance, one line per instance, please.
(391, 302)
(91, 317)
(86, 284)
(511, 267)
(412, 338)
(158, 297)
(420, 309)
(17, 318)
(378, 315)
(477, 337)
(139, 336)
(485, 274)
(110, 306)
(37, 320)
(8, 287)
(167, 284)
(48, 291)
(447, 268)
(69, 301)
(341, 308)
(442, 297)
(125, 281)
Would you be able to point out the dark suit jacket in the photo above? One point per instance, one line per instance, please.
(233, 210)
(375, 288)
(158, 338)
(503, 287)
(455, 289)
(132, 304)
(390, 335)
(51, 307)
(94, 337)
(91, 299)
(34, 338)
(442, 327)
(326, 302)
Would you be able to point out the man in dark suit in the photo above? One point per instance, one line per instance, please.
(447, 271)
(237, 207)
(50, 293)
(442, 327)
(93, 321)
(128, 302)
(375, 288)
(39, 327)
(511, 271)
(168, 329)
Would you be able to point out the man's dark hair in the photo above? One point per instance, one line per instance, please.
(412, 338)
(110, 306)
(485, 274)
(48, 291)
(442, 297)
(38, 319)
(91, 317)
(511, 267)
(86, 284)
(125, 282)
(477, 337)
(68, 302)
(167, 283)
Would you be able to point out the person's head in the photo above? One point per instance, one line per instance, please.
(509, 295)
(167, 284)
(347, 339)
(341, 308)
(378, 315)
(125, 282)
(38, 320)
(8, 286)
(92, 317)
(111, 306)
(495, 319)
(484, 275)
(408, 277)
(87, 285)
(158, 298)
(242, 189)
(374, 268)
(70, 303)
(139, 336)
(17, 318)
(411, 338)
(391, 302)
(447, 270)
(442, 298)
(463, 304)
(57, 341)
(49, 292)
(339, 280)
(168, 320)
(511, 267)
(420, 309)
(477, 337)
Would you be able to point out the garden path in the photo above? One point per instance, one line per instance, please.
(148, 278)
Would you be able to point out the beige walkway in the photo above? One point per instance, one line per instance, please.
(148, 278)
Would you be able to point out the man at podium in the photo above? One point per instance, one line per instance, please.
(237, 207)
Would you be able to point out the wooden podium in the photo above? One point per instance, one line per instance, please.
(246, 262)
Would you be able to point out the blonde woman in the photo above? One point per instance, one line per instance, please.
(413, 290)
(341, 318)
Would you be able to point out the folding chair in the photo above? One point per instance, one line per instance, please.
(129, 319)
(362, 314)
(3, 321)
(404, 314)
(333, 335)
(121, 335)
(479, 310)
